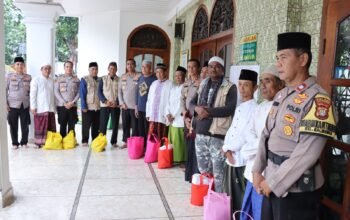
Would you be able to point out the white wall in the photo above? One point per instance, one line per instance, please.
(98, 41)
(103, 37)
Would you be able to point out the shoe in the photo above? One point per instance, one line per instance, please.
(84, 144)
(14, 147)
(122, 146)
(114, 145)
(36, 146)
(25, 146)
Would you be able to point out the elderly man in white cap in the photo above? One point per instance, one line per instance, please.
(143, 86)
(213, 108)
(269, 85)
(42, 104)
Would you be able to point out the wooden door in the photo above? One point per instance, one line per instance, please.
(214, 46)
(334, 75)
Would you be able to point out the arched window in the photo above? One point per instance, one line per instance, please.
(148, 42)
(221, 17)
(148, 37)
(217, 38)
(200, 26)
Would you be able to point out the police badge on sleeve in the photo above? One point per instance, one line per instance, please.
(320, 119)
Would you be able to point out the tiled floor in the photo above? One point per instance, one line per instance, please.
(46, 186)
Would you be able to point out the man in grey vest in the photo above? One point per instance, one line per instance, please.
(213, 107)
(17, 97)
(108, 95)
(67, 95)
(299, 123)
(90, 104)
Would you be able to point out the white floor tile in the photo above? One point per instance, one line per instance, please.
(45, 187)
(33, 208)
(117, 171)
(46, 172)
(121, 207)
(174, 185)
(116, 187)
(181, 207)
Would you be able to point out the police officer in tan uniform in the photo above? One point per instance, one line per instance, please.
(189, 90)
(90, 104)
(108, 95)
(299, 123)
(127, 98)
(67, 95)
(17, 97)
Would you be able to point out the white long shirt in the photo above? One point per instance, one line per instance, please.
(174, 106)
(42, 94)
(252, 135)
(160, 115)
(234, 139)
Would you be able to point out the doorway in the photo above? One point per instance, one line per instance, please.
(334, 76)
(148, 42)
(214, 38)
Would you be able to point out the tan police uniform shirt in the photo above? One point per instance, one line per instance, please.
(299, 123)
(17, 90)
(189, 90)
(127, 89)
(67, 89)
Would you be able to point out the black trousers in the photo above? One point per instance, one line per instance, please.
(12, 117)
(234, 185)
(67, 117)
(104, 116)
(143, 126)
(295, 206)
(90, 119)
(129, 121)
(191, 160)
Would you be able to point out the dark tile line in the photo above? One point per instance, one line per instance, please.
(80, 188)
(161, 193)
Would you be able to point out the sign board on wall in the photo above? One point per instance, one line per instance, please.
(248, 46)
(184, 58)
(234, 76)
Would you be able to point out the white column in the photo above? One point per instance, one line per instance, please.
(40, 21)
(6, 193)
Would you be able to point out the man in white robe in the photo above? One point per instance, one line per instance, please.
(42, 105)
(234, 182)
(270, 84)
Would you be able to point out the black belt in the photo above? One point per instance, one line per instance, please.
(276, 159)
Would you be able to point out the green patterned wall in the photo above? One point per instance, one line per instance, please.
(266, 18)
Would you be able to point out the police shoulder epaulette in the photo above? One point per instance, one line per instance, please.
(27, 77)
(137, 76)
(75, 79)
(124, 77)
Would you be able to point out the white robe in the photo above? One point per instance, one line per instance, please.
(174, 106)
(234, 139)
(252, 136)
(164, 98)
(42, 95)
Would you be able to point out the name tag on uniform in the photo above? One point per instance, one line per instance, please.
(63, 87)
(293, 108)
